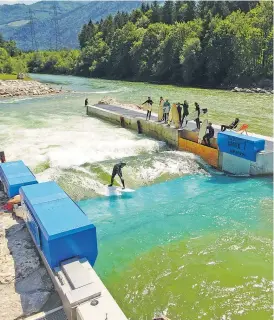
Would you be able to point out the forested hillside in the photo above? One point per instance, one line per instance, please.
(38, 26)
(191, 43)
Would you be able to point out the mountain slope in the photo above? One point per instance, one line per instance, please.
(71, 15)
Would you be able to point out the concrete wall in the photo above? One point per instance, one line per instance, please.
(210, 155)
(263, 164)
(239, 166)
(193, 136)
(187, 141)
(234, 165)
(150, 128)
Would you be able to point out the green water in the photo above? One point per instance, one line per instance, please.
(190, 243)
(197, 247)
(224, 106)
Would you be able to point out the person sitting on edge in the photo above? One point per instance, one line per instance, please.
(117, 169)
(197, 108)
(149, 107)
(179, 109)
(86, 102)
(166, 110)
(208, 135)
(185, 111)
(233, 125)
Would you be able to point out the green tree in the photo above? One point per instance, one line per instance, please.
(168, 12)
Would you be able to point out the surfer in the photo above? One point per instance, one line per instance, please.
(197, 108)
(185, 111)
(161, 110)
(86, 102)
(166, 110)
(179, 109)
(233, 125)
(117, 169)
(208, 135)
(149, 103)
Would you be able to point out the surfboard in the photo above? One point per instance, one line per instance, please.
(202, 131)
(147, 107)
(192, 116)
(117, 191)
(160, 111)
(126, 190)
(174, 116)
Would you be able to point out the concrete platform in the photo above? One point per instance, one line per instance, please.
(269, 142)
(186, 139)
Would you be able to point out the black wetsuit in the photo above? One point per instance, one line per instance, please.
(86, 102)
(179, 109)
(198, 119)
(117, 169)
(149, 101)
(208, 135)
(185, 113)
(233, 125)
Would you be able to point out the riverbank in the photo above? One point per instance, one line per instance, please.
(25, 286)
(16, 88)
(4, 76)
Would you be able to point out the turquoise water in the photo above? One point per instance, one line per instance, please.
(223, 106)
(198, 245)
(215, 212)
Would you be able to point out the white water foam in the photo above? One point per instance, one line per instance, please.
(74, 142)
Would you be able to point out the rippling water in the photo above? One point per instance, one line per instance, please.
(190, 243)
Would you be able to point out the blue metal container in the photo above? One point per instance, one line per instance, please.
(60, 228)
(14, 175)
(240, 145)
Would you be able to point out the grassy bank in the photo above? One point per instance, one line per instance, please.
(4, 76)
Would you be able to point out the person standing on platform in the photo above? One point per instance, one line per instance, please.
(185, 111)
(161, 110)
(86, 105)
(197, 108)
(149, 103)
(166, 110)
(179, 109)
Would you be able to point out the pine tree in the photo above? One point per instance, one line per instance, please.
(156, 12)
(168, 12)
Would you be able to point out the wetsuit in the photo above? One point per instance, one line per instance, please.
(208, 135)
(150, 102)
(166, 110)
(179, 109)
(233, 125)
(198, 119)
(117, 169)
(185, 113)
(86, 105)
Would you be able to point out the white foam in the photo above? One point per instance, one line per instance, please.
(73, 142)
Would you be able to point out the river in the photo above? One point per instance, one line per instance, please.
(191, 242)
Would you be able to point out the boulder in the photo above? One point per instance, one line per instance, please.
(33, 302)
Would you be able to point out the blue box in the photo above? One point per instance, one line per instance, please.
(239, 145)
(58, 225)
(14, 175)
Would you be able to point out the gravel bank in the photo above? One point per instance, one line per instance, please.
(16, 88)
(25, 286)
